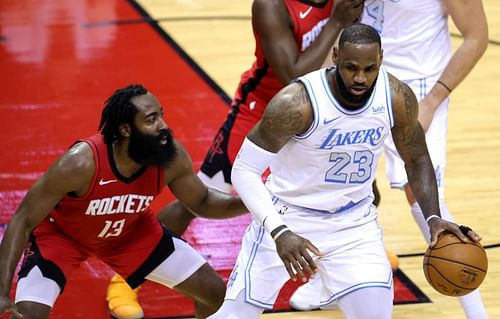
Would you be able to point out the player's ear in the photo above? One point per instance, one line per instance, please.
(125, 130)
(335, 55)
(381, 56)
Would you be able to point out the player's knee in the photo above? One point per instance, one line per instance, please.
(217, 291)
(205, 286)
(33, 310)
(176, 217)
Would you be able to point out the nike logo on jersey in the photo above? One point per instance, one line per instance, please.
(303, 15)
(326, 122)
(251, 106)
(109, 181)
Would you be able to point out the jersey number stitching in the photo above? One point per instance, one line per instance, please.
(112, 228)
(337, 173)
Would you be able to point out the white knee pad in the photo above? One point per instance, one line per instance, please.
(37, 288)
(179, 266)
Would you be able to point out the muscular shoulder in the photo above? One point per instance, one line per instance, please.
(289, 112)
(404, 102)
(74, 169)
(260, 7)
(269, 13)
(79, 159)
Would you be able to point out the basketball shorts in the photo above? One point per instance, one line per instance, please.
(435, 136)
(42, 280)
(354, 256)
(218, 162)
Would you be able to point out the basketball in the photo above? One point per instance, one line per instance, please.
(455, 268)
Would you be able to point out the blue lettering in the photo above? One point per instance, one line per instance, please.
(372, 136)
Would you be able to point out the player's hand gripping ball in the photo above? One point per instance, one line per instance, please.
(455, 268)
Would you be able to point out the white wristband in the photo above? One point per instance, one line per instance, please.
(272, 221)
(431, 217)
(280, 233)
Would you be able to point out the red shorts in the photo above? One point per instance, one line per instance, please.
(227, 142)
(58, 255)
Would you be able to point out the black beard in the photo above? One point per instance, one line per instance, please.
(349, 97)
(147, 149)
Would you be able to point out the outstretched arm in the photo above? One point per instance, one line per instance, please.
(470, 19)
(196, 196)
(409, 138)
(287, 114)
(271, 21)
(71, 173)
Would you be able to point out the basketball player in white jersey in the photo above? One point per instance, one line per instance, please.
(417, 50)
(322, 137)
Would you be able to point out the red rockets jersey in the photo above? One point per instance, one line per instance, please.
(259, 84)
(114, 209)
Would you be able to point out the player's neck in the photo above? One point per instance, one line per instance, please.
(125, 165)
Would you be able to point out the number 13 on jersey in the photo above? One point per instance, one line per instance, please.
(112, 228)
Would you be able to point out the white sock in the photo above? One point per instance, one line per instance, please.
(471, 303)
(237, 309)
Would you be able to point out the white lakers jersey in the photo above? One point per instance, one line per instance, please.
(333, 164)
(415, 36)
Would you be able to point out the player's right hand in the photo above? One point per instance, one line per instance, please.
(293, 251)
(438, 226)
(6, 305)
(346, 12)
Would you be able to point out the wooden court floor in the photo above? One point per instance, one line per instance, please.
(217, 35)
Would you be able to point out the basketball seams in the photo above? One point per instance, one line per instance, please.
(456, 263)
(458, 243)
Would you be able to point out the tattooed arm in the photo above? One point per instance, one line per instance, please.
(287, 114)
(409, 138)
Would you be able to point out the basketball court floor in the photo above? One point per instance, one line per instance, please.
(61, 59)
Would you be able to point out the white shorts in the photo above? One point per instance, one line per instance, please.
(435, 136)
(351, 241)
(179, 266)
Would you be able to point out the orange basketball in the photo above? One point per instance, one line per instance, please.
(455, 268)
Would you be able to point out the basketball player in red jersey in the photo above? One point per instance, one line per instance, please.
(94, 201)
(292, 38)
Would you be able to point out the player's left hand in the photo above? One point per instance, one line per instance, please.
(438, 226)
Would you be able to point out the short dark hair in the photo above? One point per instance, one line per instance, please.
(359, 33)
(118, 110)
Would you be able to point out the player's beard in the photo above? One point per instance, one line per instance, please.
(348, 96)
(147, 149)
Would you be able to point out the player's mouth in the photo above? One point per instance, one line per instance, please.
(163, 138)
(358, 90)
